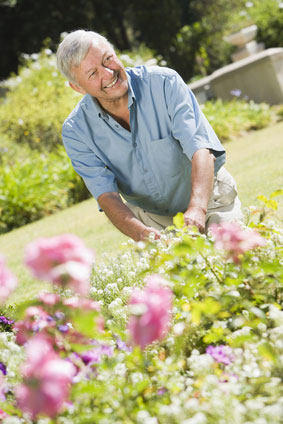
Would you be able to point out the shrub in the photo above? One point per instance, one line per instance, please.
(37, 103)
(36, 186)
(231, 119)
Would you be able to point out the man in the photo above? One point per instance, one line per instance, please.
(140, 132)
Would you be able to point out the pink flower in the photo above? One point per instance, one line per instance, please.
(8, 281)
(64, 260)
(231, 237)
(36, 319)
(150, 311)
(73, 274)
(47, 379)
(49, 299)
(3, 414)
(81, 303)
(44, 254)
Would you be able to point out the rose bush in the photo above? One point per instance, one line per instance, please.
(172, 331)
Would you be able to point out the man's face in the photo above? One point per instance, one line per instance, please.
(101, 74)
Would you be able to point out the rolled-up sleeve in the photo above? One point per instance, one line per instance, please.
(189, 125)
(97, 176)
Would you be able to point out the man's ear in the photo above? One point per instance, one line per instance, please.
(77, 88)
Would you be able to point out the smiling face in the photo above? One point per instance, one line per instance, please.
(101, 74)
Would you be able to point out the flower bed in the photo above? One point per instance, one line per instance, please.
(187, 329)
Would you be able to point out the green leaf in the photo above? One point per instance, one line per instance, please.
(268, 353)
(178, 220)
(214, 335)
(85, 323)
(276, 193)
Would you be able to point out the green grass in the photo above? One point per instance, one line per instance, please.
(254, 160)
(256, 163)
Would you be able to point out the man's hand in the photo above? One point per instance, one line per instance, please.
(195, 215)
(123, 218)
(149, 230)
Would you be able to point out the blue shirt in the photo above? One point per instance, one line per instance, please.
(151, 165)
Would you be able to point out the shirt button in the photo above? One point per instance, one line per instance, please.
(117, 126)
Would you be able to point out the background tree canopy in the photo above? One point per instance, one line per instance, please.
(188, 34)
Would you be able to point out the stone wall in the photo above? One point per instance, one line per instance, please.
(259, 77)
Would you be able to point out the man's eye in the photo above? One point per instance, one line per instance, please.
(92, 74)
(109, 57)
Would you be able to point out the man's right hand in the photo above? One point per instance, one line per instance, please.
(150, 230)
(124, 219)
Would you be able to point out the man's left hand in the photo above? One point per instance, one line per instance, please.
(195, 215)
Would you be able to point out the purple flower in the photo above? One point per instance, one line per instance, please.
(4, 320)
(122, 345)
(107, 350)
(161, 391)
(64, 328)
(237, 92)
(3, 368)
(59, 315)
(222, 354)
(91, 356)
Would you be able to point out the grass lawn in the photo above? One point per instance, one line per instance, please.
(254, 160)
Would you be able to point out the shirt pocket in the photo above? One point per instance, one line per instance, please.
(167, 156)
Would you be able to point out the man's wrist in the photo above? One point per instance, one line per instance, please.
(202, 208)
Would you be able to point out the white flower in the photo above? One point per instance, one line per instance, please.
(34, 56)
(198, 418)
(276, 315)
(20, 121)
(136, 377)
(120, 369)
(178, 328)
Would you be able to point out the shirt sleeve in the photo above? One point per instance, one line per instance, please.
(189, 125)
(97, 176)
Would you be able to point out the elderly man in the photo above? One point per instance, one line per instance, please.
(139, 132)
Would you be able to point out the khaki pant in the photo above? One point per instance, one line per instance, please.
(224, 205)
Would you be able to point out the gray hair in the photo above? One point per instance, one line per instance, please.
(74, 48)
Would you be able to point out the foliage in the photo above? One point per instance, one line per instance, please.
(220, 361)
(230, 119)
(37, 186)
(37, 103)
(266, 14)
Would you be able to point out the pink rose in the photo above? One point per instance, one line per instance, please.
(150, 311)
(73, 274)
(3, 414)
(63, 260)
(231, 237)
(8, 281)
(81, 303)
(49, 299)
(47, 379)
(44, 254)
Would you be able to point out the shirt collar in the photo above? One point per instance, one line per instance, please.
(131, 93)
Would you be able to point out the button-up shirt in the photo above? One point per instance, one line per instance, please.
(151, 164)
